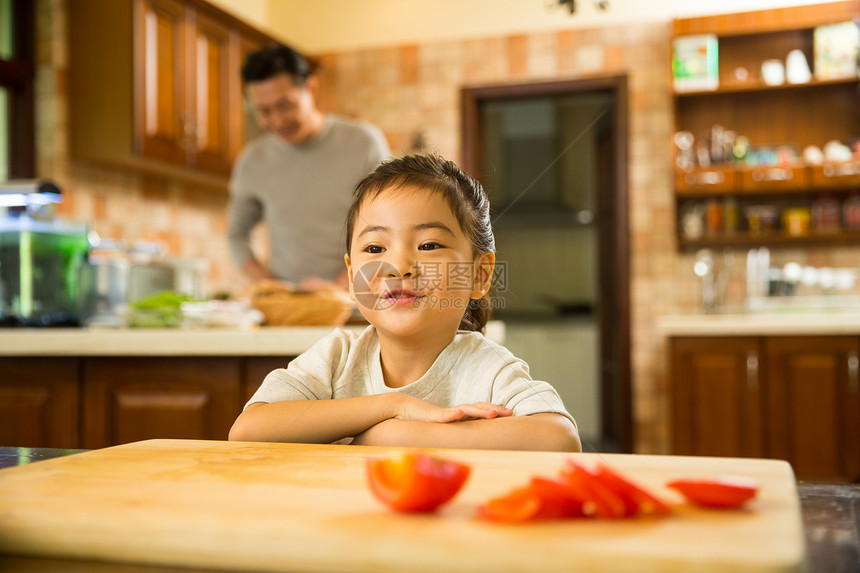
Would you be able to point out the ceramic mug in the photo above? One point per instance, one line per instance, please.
(773, 72)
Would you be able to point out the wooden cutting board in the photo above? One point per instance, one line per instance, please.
(290, 507)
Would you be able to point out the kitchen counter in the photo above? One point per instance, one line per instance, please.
(754, 324)
(829, 513)
(91, 388)
(264, 341)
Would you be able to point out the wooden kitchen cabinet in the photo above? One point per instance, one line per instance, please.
(160, 70)
(159, 88)
(788, 397)
(246, 123)
(717, 403)
(131, 399)
(255, 370)
(94, 401)
(798, 115)
(39, 405)
(814, 404)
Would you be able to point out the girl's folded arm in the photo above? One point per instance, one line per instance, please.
(545, 431)
(310, 421)
(326, 421)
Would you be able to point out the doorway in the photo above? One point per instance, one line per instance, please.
(553, 158)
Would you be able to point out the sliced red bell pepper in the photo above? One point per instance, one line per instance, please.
(600, 499)
(637, 501)
(415, 482)
(521, 504)
(542, 499)
(724, 492)
(558, 499)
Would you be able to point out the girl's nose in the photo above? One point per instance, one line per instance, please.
(402, 265)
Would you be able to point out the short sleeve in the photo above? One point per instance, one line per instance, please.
(515, 389)
(309, 376)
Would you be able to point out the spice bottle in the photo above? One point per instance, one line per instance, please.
(851, 212)
(731, 215)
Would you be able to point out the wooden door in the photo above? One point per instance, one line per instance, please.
(131, 399)
(209, 108)
(716, 396)
(814, 405)
(39, 402)
(162, 126)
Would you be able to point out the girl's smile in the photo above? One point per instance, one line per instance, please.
(402, 297)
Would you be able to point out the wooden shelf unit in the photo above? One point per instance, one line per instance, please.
(798, 115)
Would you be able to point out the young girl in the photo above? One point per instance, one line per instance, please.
(420, 257)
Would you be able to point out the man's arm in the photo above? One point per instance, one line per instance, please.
(546, 431)
(255, 271)
(326, 421)
(243, 214)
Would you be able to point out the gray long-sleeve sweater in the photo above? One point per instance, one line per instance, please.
(303, 193)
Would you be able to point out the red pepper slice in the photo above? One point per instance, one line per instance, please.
(725, 492)
(636, 499)
(604, 501)
(521, 504)
(579, 492)
(557, 499)
(542, 499)
(415, 482)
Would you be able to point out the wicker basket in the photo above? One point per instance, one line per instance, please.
(283, 307)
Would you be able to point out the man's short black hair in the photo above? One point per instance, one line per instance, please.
(274, 60)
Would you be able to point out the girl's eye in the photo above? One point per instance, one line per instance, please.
(429, 247)
(373, 249)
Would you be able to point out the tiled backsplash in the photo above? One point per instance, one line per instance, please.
(410, 90)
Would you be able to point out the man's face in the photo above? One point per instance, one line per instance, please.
(284, 108)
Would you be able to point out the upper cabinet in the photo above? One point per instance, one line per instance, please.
(154, 84)
(763, 101)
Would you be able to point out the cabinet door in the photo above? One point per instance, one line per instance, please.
(209, 107)
(247, 125)
(814, 405)
(131, 399)
(39, 402)
(162, 127)
(717, 397)
(256, 370)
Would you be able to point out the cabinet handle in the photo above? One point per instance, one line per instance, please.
(752, 372)
(853, 372)
(188, 142)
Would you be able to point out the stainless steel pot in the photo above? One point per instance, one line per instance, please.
(104, 291)
(108, 284)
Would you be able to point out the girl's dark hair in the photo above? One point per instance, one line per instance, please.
(465, 196)
(277, 59)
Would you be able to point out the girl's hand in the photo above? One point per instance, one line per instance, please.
(411, 408)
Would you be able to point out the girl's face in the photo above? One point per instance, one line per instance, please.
(411, 267)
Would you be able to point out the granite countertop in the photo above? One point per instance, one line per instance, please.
(761, 324)
(264, 341)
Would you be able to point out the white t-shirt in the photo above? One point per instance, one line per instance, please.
(470, 369)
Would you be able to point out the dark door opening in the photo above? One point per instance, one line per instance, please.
(553, 157)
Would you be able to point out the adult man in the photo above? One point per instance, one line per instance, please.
(298, 177)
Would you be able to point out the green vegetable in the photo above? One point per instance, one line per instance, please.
(159, 310)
